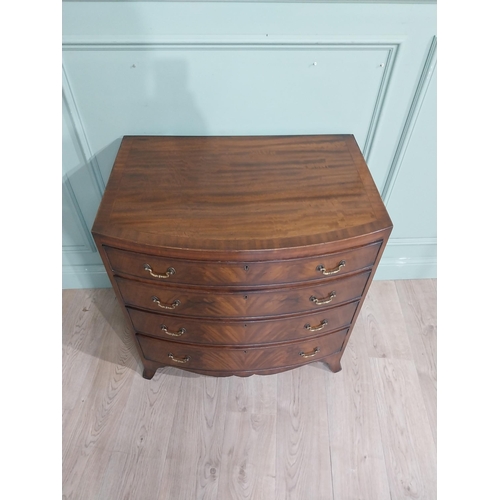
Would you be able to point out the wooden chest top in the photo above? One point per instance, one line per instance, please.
(238, 196)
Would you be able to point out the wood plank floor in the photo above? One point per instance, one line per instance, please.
(365, 433)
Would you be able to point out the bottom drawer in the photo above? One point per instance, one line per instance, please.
(198, 357)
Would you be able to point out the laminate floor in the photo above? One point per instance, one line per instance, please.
(365, 433)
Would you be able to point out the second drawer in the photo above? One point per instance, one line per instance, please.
(218, 304)
(213, 332)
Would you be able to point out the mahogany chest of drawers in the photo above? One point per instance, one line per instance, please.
(240, 255)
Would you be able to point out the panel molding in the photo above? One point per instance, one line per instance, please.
(410, 266)
(145, 41)
(84, 152)
(281, 1)
(89, 247)
(411, 120)
(370, 136)
(207, 42)
(79, 132)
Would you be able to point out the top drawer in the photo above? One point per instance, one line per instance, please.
(165, 270)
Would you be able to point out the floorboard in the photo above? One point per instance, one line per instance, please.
(365, 433)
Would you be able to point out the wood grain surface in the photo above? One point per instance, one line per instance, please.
(365, 433)
(246, 304)
(214, 332)
(240, 229)
(358, 462)
(199, 272)
(417, 299)
(239, 194)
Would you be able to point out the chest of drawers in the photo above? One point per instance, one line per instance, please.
(240, 255)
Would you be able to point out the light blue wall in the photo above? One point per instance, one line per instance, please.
(245, 68)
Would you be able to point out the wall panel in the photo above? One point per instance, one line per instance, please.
(236, 68)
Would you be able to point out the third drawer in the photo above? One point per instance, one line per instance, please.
(212, 332)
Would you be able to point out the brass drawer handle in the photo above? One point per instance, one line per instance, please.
(311, 354)
(185, 359)
(164, 329)
(326, 272)
(331, 296)
(174, 304)
(170, 272)
(316, 328)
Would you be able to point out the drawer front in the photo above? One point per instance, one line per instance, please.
(242, 304)
(212, 332)
(240, 359)
(240, 273)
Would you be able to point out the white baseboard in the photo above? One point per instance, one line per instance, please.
(93, 276)
(406, 269)
(403, 267)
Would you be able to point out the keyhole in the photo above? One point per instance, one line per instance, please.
(246, 268)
